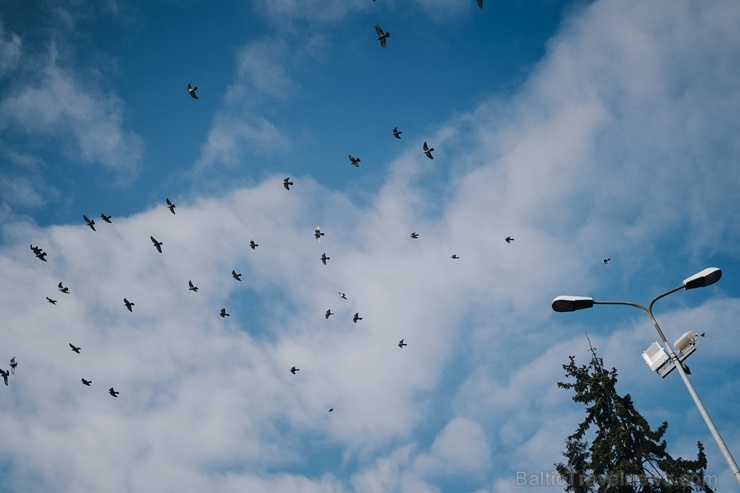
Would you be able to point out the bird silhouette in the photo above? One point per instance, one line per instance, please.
(40, 254)
(428, 151)
(606, 260)
(192, 90)
(157, 244)
(53, 302)
(128, 304)
(454, 256)
(356, 317)
(170, 205)
(223, 313)
(328, 313)
(287, 183)
(86, 382)
(236, 276)
(331, 409)
(62, 288)
(397, 133)
(342, 295)
(382, 37)
(192, 287)
(13, 364)
(402, 344)
(4, 374)
(113, 392)
(76, 349)
(253, 245)
(318, 234)
(354, 161)
(324, 258)
(89, 222)
(293, 369)
(509, 239)
(414, 235)
(105, 218)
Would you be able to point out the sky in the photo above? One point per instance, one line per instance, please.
(584, 130)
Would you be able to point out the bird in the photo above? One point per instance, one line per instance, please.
(318, 234)
(397, 133)
(4, 374)
(703, 334)
(414, 235)
(454, 256)
(76, 349)
(382, 37)
(293, 369)
(170, 205)
(354, 161)
(324, 258)
(35, 249)
(331, 409)
(253, 245)
(192, 287)
(105, 218)
(480, 4)
(128, 304)
(113, 392)
(342, 295)
(157, 244)
(236, 276)
(287, 183)
(328, 313)
(86, 382)
(89, 222)
(223, 313)
(53, 302)
(62, 288)
(606, 260)
(402, 344)
(40, 254)
(192, 90)
(356, 317)
(13, 364)
(428, 151)
(509, 239)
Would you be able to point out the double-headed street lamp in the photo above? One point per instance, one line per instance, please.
(704, 278)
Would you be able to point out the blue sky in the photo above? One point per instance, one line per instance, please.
(584, 130)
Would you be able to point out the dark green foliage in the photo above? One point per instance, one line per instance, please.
(625, 454)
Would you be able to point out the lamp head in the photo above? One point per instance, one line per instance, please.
(708, 276)
(571, 303)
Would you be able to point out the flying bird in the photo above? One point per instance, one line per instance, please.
(606, 260)
(4, 374)
(324, 258)
(86, 382)
(113, 392)
(331, 409)
(157, 244)
(354, 161)
(192, 90)
(53, 302)
(397, 133)
(382, 37)
(192, 287)
(402, 344)
(509, 239)
(128, 304)
(356, 317)
(62, 288)
(253, 245)
(170, 205)
(454, 256)
(223, 313)
(318, 234)
(13, 364)
(342, 295)
(287, 183)
(236, 276)
(105, 218)
(428, 151)
(75, 348)
(89, 222)
(414, 235)
(328, 313)
(293, 369)
(40, 254)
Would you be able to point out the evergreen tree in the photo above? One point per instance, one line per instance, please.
(625, 455)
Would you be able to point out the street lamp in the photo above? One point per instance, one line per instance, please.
(699, 280)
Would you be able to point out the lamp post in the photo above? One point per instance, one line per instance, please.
(699, 280)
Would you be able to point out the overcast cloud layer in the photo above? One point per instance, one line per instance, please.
(621, 143)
